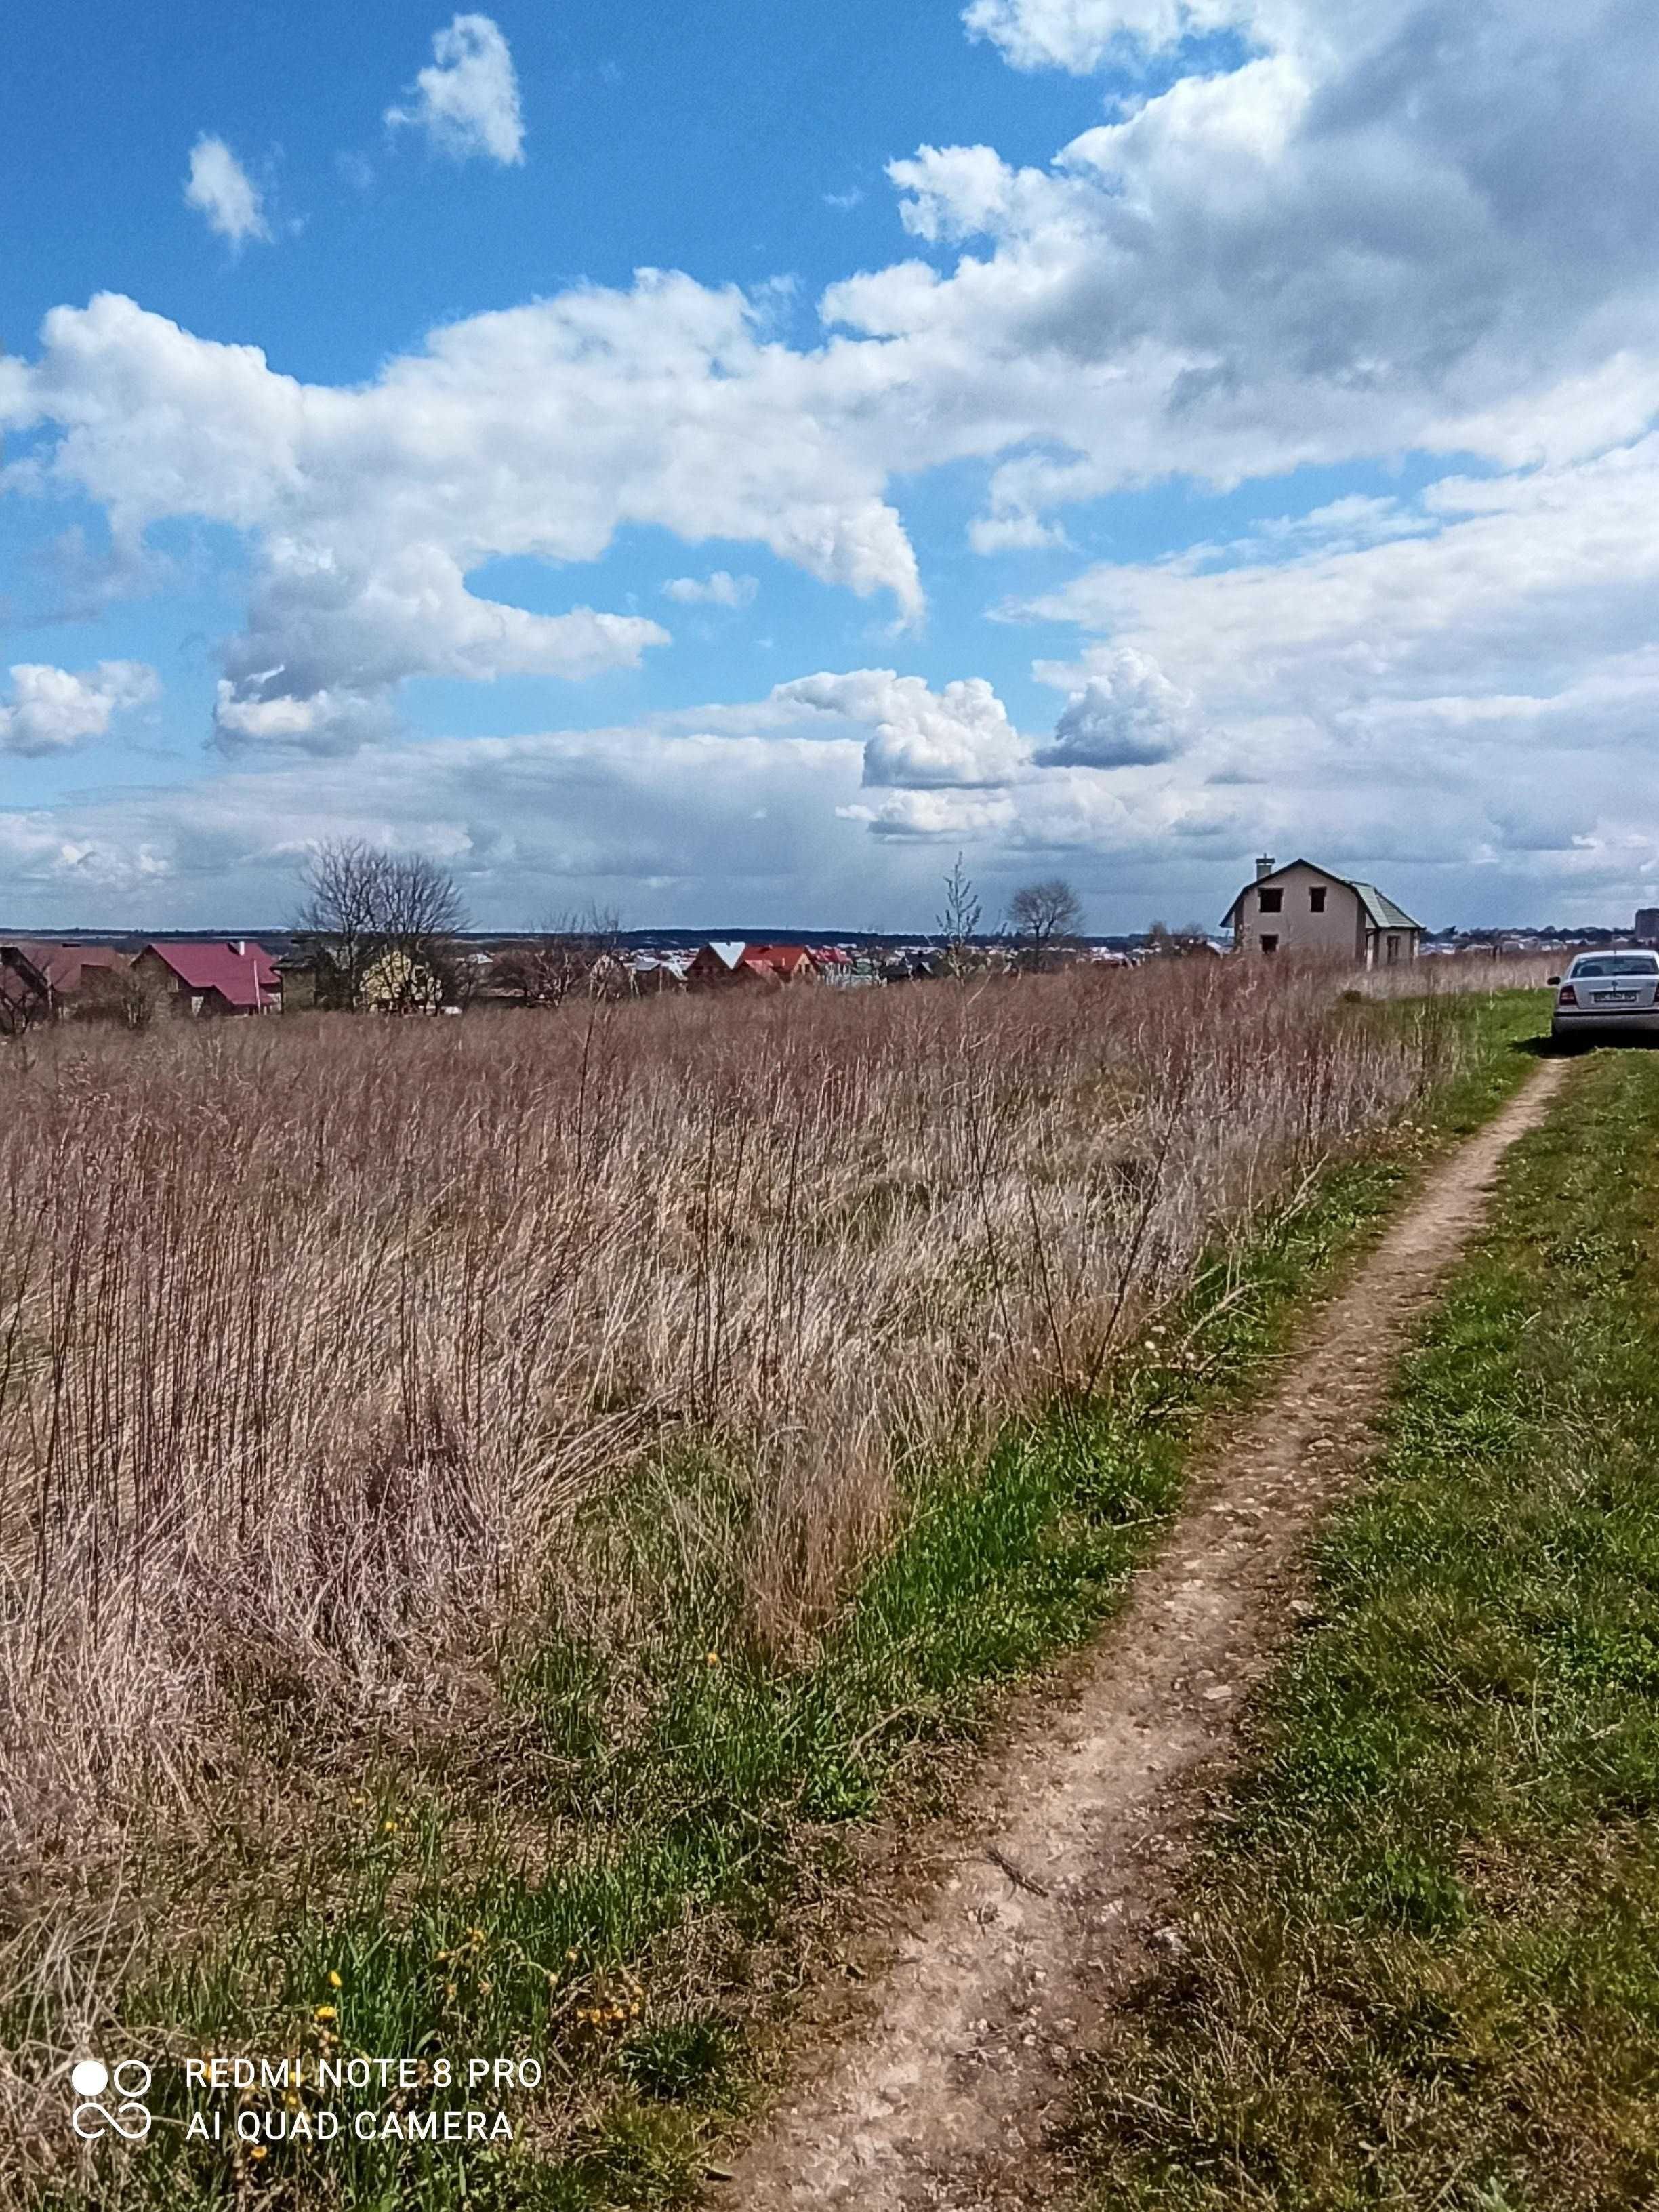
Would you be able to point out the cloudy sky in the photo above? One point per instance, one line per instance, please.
(725, 474)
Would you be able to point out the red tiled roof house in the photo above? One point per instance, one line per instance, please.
(730, 961)
(780, 963)
(233, 977)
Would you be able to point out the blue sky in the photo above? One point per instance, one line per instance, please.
(1106, 437)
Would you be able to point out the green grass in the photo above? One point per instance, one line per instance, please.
(609, 1888)
(1422, 1961)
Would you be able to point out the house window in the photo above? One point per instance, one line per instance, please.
(1316, 900)
(1272, 902)
(1270, 943)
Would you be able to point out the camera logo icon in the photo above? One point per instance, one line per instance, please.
(92, 2118)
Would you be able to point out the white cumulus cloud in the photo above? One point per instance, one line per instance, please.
(538, 431)
(720, 590)
(1128, 714)
(1412, 224)
(1358, 233)
(219, 187)
(1506, 585)
(1447, 693)
(467, 102)
(960, 737)
(52, 710)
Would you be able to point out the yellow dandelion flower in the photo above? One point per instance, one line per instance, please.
(325, 2012)
(713, 1658)
(388, 1827)
(333, 1979)
(257, 2151)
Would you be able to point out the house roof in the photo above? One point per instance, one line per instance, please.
(778, 959)
(248, 979)
(62, 967)
(21, 975)
(1382, 913)
(728, 950)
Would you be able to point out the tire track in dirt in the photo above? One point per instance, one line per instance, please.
(945, 2095)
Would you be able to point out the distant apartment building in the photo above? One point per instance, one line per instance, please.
(1308, 910)
(1647, 925)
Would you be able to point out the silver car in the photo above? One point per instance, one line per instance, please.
(1603, 992)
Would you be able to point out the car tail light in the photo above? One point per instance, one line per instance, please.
(1569, 997)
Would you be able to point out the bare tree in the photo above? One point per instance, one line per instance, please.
(135, 1000)
(1042, 918)
(576, 956)
(958, 921)
(594, 941)
(421, 917)
(380, 924)
(338, 920)
(1166, 944)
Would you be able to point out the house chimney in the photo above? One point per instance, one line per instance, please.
(1265, 866)
(239, 946)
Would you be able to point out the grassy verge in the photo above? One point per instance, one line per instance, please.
(1422, 1961)
(604, 1887)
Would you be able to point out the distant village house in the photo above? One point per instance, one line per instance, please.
(780, 963)
(396, 982)
(232, 977)
(727, 961)
(47, 983)
(654, 974)
(713, 965)
(1306, 910)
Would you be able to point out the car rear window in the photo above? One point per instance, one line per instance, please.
(1616, 963)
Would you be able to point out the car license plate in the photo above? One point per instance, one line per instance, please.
(1616, 998)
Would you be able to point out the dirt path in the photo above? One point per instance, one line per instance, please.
(944, 2094)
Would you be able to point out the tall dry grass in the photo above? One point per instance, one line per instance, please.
(1467, 971)
(315, 1337)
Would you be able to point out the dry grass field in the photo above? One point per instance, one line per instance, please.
(1462, 972)
(349, 1368)
(313, 1341)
